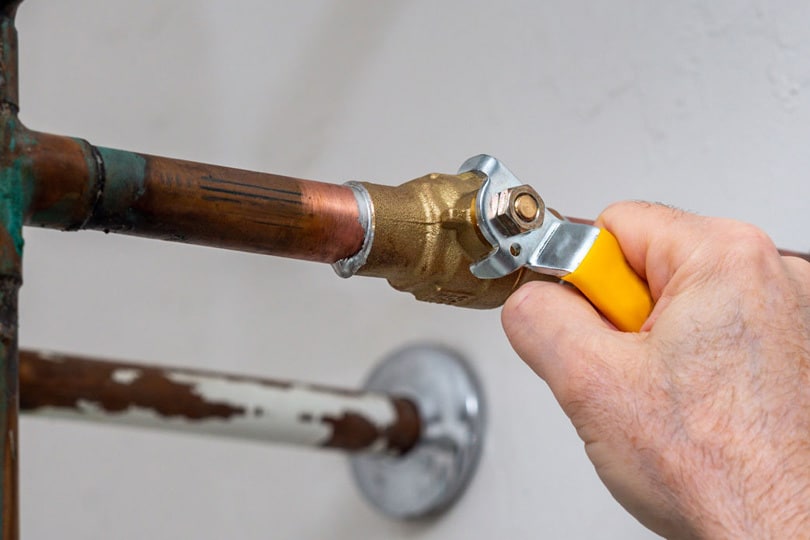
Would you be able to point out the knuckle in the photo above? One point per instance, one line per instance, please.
(801, 270)
(656, 210)
(747, 244)
(753, 236)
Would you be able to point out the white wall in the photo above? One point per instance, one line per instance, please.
(702, 105)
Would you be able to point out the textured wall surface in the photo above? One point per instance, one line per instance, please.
(702, 105)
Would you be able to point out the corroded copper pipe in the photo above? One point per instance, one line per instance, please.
(215, 403)
(80, 186)
(12, 193)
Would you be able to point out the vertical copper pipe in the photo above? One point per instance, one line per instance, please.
(81, 186)
(12, 192)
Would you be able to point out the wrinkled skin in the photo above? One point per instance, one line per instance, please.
(699, 425)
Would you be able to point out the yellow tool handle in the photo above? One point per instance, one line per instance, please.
(606, 279)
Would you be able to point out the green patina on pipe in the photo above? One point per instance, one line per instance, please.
(12, 204)
(16, 181)
(124, 183)
(14, 167)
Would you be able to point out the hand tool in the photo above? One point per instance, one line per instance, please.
(513, 218)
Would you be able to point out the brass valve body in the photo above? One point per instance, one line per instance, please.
(425, 238)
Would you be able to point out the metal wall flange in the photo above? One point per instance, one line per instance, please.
(433, 475)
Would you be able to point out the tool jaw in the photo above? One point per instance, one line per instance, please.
(548, 244)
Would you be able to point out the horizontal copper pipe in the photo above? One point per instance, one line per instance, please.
(79, 186)
(75, 185)
(215, 403)
(788, 253)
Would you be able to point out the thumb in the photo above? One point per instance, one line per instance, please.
(560, 335)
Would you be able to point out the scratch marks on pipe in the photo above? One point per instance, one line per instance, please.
(249, 195)
(215, 198)
(216, 180)
(276, 224)
(272, 202)
(250, 191)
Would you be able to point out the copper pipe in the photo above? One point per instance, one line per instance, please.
(80, 186)
(75, 185)
(216, 404)
(788, 253)
(12, 194)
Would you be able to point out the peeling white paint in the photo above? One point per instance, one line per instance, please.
(283, 410)
(126, 376)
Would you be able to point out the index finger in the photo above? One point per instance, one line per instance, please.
(656, 240)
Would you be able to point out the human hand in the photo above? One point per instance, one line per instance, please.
(699, 425)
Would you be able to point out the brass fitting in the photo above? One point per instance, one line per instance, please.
(426, 237)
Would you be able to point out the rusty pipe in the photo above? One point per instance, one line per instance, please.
(75, 185)
(70, 386)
